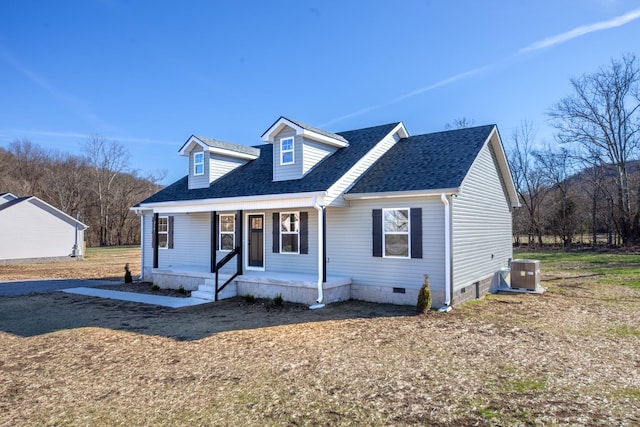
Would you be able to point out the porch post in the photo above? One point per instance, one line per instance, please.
(214, 241)
(155, 240)
(239, 243)
(324, 244)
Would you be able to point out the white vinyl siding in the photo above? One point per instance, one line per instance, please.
(147, 239)
(481, 223)
(27, 230)
(293, 263)
(191, 242)
(198, 181)
(349, 246)
(290, 171)
(313, 153)
(222, 165)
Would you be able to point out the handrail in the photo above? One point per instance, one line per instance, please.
(221, 264)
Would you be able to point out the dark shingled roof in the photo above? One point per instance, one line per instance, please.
(256, 177)
(425, 162)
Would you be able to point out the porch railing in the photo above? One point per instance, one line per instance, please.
(220, 264)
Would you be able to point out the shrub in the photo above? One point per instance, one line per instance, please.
(181, 289)
(249, 299)
(155, 287)
(424, 296)
(127, 274)
(278, 300)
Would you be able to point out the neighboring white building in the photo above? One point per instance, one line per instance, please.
(31, 230)
(321, 217)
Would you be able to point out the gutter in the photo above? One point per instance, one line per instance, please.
(447, 254)
(319, 208)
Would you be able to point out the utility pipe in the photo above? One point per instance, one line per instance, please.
(319, 303)
(447, 253)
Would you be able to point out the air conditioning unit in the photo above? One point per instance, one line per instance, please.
(525, 274)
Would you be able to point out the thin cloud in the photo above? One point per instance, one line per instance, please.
(542, 44)
(413, 93)
(79, 105)
(581, 31)
(9, 135)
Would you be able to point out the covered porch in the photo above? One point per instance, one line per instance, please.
(225, 248)
(294, 287)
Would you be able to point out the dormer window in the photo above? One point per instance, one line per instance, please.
(286, 151)
(198, 163)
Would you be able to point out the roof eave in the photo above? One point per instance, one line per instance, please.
(436, 192)
(269, 135)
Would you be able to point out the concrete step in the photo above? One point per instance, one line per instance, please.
(207, 290)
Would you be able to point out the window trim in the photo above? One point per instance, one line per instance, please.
(281, 233)
(397, 233)
(160, 217)
(220, 232)
(283, 151)
(197, 163)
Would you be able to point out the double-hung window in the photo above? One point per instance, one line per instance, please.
(163, 232)
(286, 151)
(198, 163)
(290, 232)
(227, 232)
(396, 234)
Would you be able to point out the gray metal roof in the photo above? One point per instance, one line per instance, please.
(310, 128)
(215, 143)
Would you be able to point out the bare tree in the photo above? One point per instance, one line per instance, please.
(460, 123)
(107, 161)
(528, 178)
(556, 167)
(27, 167)
(602, 117)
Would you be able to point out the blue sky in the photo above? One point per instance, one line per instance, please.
(149, 74)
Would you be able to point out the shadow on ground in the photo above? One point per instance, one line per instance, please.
(37, 314)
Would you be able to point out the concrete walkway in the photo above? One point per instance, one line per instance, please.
(172, 302)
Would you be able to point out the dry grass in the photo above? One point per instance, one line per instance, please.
(99, 263)
(568, 357)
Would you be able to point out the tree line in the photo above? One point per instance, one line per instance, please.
(97, 187)
(585, 187)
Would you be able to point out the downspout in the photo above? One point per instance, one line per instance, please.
(447, 254)
(319, 208)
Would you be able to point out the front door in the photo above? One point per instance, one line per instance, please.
(256, 241)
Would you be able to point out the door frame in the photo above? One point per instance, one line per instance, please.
(247, 232)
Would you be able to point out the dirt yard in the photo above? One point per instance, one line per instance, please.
(568, 357)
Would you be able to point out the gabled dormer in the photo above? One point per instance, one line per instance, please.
(298, 147)
(209, 159)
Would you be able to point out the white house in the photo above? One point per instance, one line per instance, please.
(321, 217)
(31, 230)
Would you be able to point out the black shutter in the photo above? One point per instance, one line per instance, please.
(416, 232)
(276, 232)
(170, 232)
(377, 232)
(304, 232)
